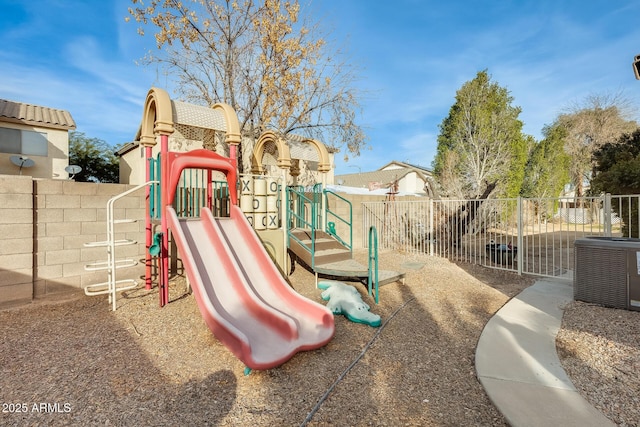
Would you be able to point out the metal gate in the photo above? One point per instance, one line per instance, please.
(531, 236)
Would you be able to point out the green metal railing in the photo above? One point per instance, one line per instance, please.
(155, 172)
(304, 211)
(330, 226)
(297, 218)
(317, 200)
(372, 282)
(299, 204)
(191, 194)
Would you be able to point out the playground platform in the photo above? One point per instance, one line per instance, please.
(353, 269)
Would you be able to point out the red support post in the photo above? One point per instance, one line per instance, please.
(164, 251)
(209, 189)
(233, 155)
(147, 227)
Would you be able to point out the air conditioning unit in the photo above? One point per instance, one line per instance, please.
(607, 272)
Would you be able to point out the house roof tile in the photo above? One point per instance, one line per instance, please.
(18, 112)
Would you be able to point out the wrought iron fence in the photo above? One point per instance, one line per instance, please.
(532, 236)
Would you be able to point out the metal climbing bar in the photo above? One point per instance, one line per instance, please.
(112, 286)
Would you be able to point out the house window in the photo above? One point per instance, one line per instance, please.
(26, 142)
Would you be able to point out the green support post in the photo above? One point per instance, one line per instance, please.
(372, 281)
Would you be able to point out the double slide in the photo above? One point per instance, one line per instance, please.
(242, 297)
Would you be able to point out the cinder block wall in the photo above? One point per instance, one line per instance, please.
(16, 239)
(44, 225)
(69, 214)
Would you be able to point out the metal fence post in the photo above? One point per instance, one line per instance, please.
(431, 226)
(521, 249)
(607, 215)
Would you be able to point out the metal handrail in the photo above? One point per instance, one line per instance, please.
(335, 215)
(296, 218)
(300, 220)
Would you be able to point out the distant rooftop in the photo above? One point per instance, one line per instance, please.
(384, 176)
(363, 179)
(419, 167)
(18, 112)
(407, 165)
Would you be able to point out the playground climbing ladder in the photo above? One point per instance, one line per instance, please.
(112, 286)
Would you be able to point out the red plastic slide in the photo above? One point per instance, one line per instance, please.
(243, 298)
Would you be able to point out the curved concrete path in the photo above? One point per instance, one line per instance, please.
(518, 366)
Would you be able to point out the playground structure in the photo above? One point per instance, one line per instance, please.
(237, 273)
(241, 295)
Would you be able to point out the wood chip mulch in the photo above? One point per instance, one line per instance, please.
(78, 363)
(599, 349)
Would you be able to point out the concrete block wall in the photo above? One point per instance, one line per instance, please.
(44, 225)
(16, 239)
(69, 214)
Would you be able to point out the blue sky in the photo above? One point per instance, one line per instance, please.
(412, 56)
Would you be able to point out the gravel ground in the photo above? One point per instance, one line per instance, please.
(77, 363)
(600, 350)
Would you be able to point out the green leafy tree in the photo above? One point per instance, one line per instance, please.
(264, 58)
(618, 166)
(481, 142)
(617, 171)
(95, 157)
(547, 169)
(515, 175)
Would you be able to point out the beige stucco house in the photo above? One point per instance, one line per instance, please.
(35, 137)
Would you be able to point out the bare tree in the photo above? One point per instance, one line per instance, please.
(273, 67)
(599, 119)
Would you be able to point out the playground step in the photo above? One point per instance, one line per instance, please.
(331, 255)
(324, 244)
(104, 265)
(124, 221)
(326, 256)
(389, 276)
(104, 287)
(327, 249)
(322, 240)
(105, 243)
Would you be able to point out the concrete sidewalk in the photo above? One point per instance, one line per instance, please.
(517, 363)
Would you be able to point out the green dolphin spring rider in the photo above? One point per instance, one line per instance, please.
(346, 300)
